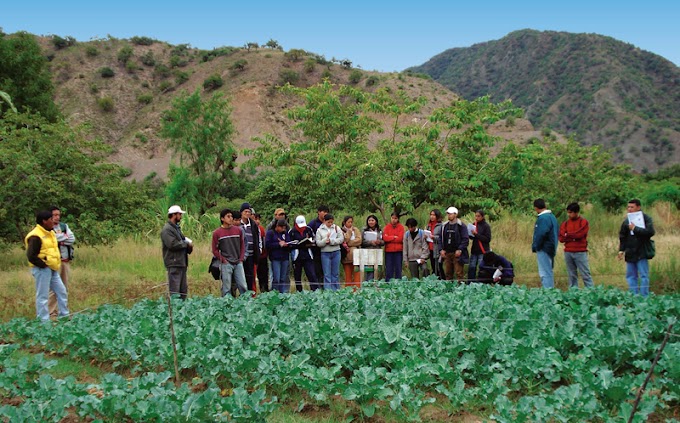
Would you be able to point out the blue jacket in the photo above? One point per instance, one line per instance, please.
(277, 252)
(545, 234)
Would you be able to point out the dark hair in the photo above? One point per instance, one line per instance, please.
(539, 203)
(225, 212)
(236, 214)
(53, 208)
(481, 212)
(490, 257)
(635, 201)
(574, 207)
(377, 222)
(257, 216)
(437, 214)
(281, 222)
(328, 216)
(394, 213)
(323, 208)
(346, 218)
(42, 216)
(411, 222)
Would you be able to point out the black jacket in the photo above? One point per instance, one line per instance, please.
(483, 235)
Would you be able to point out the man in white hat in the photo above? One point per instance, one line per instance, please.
(454, 242)
(176, 249)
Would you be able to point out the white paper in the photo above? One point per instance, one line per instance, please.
(370, 236)
(470, 228)
(428, 235)
(188, 240)
(636, 218)
(497, 274)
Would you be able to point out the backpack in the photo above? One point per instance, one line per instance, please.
(69, 248)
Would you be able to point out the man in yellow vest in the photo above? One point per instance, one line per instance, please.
(42, 251)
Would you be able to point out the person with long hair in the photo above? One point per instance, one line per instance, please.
(329, 238)
(352, 242)
(372, 239)
(480, 237)
(393, 235)
(434, 225)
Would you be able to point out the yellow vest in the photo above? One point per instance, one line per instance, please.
(49, 249)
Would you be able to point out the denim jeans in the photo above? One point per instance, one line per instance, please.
(47, 280)
(308, 265)
(545, 269)
(633, 270)
(280, 278)
(393, 262)
(330, 261)
(236, 270)
(578, 263)
(475, 260)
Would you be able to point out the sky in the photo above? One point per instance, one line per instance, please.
(374, 35)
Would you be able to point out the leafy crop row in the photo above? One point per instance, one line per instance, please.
(530, 355)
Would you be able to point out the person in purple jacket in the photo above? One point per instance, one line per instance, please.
(276, 242)
(495, 268)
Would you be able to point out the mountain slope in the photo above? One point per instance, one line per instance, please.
(600, 90)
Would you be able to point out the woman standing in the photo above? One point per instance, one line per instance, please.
(329, 238)
(435, 228)
(352, 242)
(372, 239)
(277, 245)
(480, 237)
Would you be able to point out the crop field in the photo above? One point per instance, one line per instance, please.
(399, 352)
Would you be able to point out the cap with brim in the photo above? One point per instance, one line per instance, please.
(452, 210)
(175, 209)
(300, 221)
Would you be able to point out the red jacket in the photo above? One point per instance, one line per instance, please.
(393, 237)
(574, 235)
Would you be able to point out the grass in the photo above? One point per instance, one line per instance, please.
(132, 268)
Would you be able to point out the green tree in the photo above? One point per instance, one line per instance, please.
(273, 44)
(201, 134)
(25, 76)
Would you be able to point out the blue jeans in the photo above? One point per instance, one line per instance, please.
(475, 260)
(236, 270)
(545, 269)
(578, 263)
(393, 265)
(308, 265)
(45, 280)
(633, 270)
(280, 278)
(330, 262)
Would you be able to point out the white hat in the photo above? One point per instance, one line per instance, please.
(452, 210)
(175, 209)
(300, 221)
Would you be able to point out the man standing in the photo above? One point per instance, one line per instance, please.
(262, 266)
(42, 252)
(253, 244)
(303, 240)
(574, 235)
(176, 250)
(545, 243)
(65, 239)
(228, 244)
(637, 247)
(393, 235)
(416, 250)
(321, 212)
(454, 243)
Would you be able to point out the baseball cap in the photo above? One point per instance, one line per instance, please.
(300, 221)
(451, 210)
(175, 209)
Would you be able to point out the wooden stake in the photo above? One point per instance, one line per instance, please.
(174, 340)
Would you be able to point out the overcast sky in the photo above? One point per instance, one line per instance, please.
(378, 35)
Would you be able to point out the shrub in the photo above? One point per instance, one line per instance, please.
(145, 84)
(124, 54)
(510, 121)
(213, 82)
(162, 70)
(105, 103)
(181, 77)
(295, 54)
(61, 42)
(309, 65)
(106, 72)
(142, 41)
(147, 59)
(239, 65)
(326, 74)
(372, 80)
(144, 98)
(165, 85)
(355, 76)
(131, 66)
(178, 61)
(91, 51)
(288, 76)
(94, 89)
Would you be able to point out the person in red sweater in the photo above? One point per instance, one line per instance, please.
(393, 235)
(228, 245)
(574, 235)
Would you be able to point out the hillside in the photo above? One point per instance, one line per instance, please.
(125, 109)
(598, 89)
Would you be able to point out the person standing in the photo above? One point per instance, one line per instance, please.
(321, 211)
(574, 235)
(372, 241)
(636, 247)
(276, 242)
(416, 251)
(480, 237)
(176, 250)
(44, 258)
(253, 246)
(228, 244)
(454, 243)
(393, 235)
(545, 243)
(433, 241)
(262, 266)
(65, 239)
(329, 238)
(352, 242)
(302, 238)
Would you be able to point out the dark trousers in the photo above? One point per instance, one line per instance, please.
(437, 266)
(318, 269)
(262, 274)
(308, 265)
(393, 265)
(249, 269)
(177, 281)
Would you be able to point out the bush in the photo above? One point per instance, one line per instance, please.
(165, 85)
(91, 51)
(309, 65)
(288, 76)
(142, 41)
(145, 98)
(145, 84)
(295, 54)
(162, 70)
(239, 65)
(372, 80)
(178, 61)
(213, 82)
(94, 89)
(326, 74)
(106, 72)
(124, 54)
(105, 103)
(355, 76)
(131, 66)
(181, 77)
(147, 59)
(60, 42)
